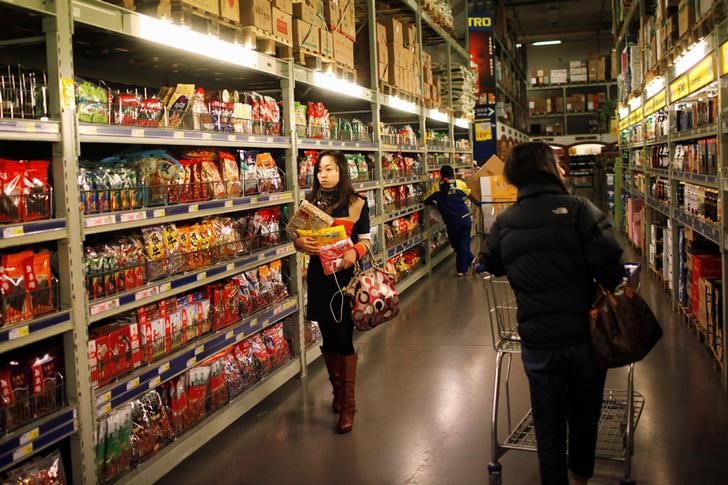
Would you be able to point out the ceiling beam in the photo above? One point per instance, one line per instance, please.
(565, 36)
(524, 3)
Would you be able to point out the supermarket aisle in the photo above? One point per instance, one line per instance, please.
(424, 398)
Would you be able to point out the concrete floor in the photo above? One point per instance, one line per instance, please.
(424, 394)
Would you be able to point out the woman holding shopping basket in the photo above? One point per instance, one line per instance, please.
(555, 248)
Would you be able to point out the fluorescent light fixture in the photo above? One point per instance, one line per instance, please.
(402, 105)
(635, 103)
(438, 115)
(546, 42)
(518, 45)
(178, 37)
(694, 54)
(333, 83)
(655, 86)
(462, 123)
(623, 112)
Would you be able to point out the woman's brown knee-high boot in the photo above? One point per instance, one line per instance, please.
(333, 365)
(348, 402)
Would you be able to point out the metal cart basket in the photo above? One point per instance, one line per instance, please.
(615, 439)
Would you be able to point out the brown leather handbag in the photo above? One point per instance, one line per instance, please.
(623, 327)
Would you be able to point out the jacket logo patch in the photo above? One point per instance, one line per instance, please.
(561, 211)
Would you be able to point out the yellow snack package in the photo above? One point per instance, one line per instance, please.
(327, 235)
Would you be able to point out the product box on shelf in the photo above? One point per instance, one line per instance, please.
(230, 10)
(209, 6)
(258, 14)
(283, 5)
(686, 17)
(309, 14)
(343, 50)
(326, 44)
(282, 27)
(394, 31)
(306, 37)
(559, 76)
(341, 17)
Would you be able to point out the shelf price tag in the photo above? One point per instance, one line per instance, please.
(191, 362)
(230, 267)
(132, 384)
(232, 138)
(19, 332)
(207, 136)
(164, 287)
(155, 382)
(178, 135)
(201, 276)
(99, 221)
(254, 322)
(137, 133)
(106, 409)
(31, 435)
(228, 204)
(105, 397)
(10, 232)
(199, 349)
(230, 335)
(193, 208)
(133, 216)
(22, 452)
(163, 368)
(239, 337)
(149, 292)
(104, 306)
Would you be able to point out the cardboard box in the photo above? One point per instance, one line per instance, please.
(394, 31)
(309, 14)
(383, 72)
(341, 16)
(409, 33)
(327, 44)
(306, 36)
(381, 33)
(686, 18)
(559, 76)
(211, 6)
(285, 6)
(230, 9)
(343, 50)
(256, 13)
(494, 187)
(282, 25)
(576, 64)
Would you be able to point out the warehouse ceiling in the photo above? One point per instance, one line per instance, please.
(535, 20)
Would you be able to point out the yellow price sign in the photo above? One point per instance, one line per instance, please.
(702, 74)
(648, 107)
(679, 88)
(724, 59)
(483, 131)
(659, 100)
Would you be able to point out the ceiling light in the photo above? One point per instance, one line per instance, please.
(333, 83)
(438, 115)
(462, 123)
(657, 85)
(401, 104)
(635, 103)
(623, 112)
(519, 45)
(546, 42)
(694, 54)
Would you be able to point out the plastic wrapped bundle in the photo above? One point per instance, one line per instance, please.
(463, 89)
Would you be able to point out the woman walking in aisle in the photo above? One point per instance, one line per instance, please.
(333, 193)
(449, 197)
(554, 248)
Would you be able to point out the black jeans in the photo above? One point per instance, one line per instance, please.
(566, 387)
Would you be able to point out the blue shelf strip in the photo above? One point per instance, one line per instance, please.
(306, 144)
(169, 287)
(133, 386)
(29, 126)
(403, 212)
(658, 206)
(132, 133)
(710, 231)
(47, 431)
(10, 231)
(406, 245)
(112, 218)
(404, 180)
(698, 178)
(401, 148)
(364, 186)
(28, 328)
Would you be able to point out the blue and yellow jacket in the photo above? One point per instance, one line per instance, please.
(449, 198)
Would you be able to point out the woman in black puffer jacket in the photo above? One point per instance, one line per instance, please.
(554, 248)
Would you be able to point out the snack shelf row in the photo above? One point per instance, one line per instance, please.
(697, 178)
(403, 212)
(133, 385)
(166, 459)
(25, 333)
(37, 436)
(30, 130)
(32, 232)
(413, 179)
(117, 221)
(410, 243)
(658, 205)
(442, 256)
(709, 230)
(702, 132)
(410, 280)
(159, 290)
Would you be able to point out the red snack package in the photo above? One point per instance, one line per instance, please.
(261, 354)
(331, 255)
(15, 389)
(178, 404)
(15, 298)
(233, 376)
(36, 196)
(46, 381)
(198, 380)
(249, 367)
(276, 343)
(219, 396)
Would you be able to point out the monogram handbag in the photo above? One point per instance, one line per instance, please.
(623, 327)
(374, 298)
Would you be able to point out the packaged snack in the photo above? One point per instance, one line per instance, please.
(15, 390)
(125, 109)
(269, 177)
(16, 301)
(276, 344)
(197, 385)
(261, 354)
(211, 177)
(327, 235)
(331, 255)
(47, 381)
(177, 261)
(179, 103)
(200, 114)
(156, 252)
(248, 172)
(279, 289)
(219, 396)
(233, 377)
(254, 286)
(41, 471)
(265, 285)
(178, 404)
(249, 366)
(151, 111)
(35, 202)
(91, 103)
(230, 173)
(309, 217)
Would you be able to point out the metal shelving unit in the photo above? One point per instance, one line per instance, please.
(714, 78)
(66, 21)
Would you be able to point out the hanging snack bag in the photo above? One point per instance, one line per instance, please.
(46, 381)
(15, 390)
(230, 174)
(16, 301)
(248, 171)
(254, 285)
(177, 261)
(279, 289)
(198, 380)
(35, 203)
(276, 343)
(266, 286)
(261, 354)
(233, 376)
(179, 103)
(269, 177)
(219, 396)
(47, 470)
(156, 252)
(211, 176)
(250, 370)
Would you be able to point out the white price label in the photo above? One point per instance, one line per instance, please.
(278, 310)
(239, 337)
(318, 142)
(191, 362)
(132, 384)
(265, 322)
(22, 452)
(160, 213)
(133, 216)
(207, 136)
(261, 256)
(10, 232)
(178, 134)
(193, 208)
(19, 332)
(254, 322)
(228, 204)
(230, 335)
(104, 306)
(149, 292)
(163, 368)
(137, 132)
(232, 138)
(282, 250)
(164, 287)
(97, 221)
(105, 397)
(199, 349)
(274, 197)
(26, 438)
(106, 409)
(202, 276)
(357, 144)
(270, 139)
(30, 127)
(230, 267)
(155, 382)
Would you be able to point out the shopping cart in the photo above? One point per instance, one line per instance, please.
(615, 439)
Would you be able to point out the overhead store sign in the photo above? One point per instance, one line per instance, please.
(636, 116)
(724, 59)
(482, 62)
(624, 124)
(679, 88)
(655, 103)
(702, 74)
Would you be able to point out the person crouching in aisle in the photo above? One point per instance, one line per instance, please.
(555, 248)
(448, 196)
(333, 193)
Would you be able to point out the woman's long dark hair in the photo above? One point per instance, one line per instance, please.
(532, 163)
(346, 190)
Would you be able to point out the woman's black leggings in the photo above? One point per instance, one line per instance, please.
(338, 337)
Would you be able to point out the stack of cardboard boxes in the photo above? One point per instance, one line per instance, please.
(592, 70)
(578, 72)
(432, 84)
(263, 16)
(398, 56)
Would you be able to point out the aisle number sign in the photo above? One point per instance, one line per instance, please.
(679, 88)
(702, 74)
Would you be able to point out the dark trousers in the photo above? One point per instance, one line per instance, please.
(458, 233)
(338, 337)
(566, 388)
